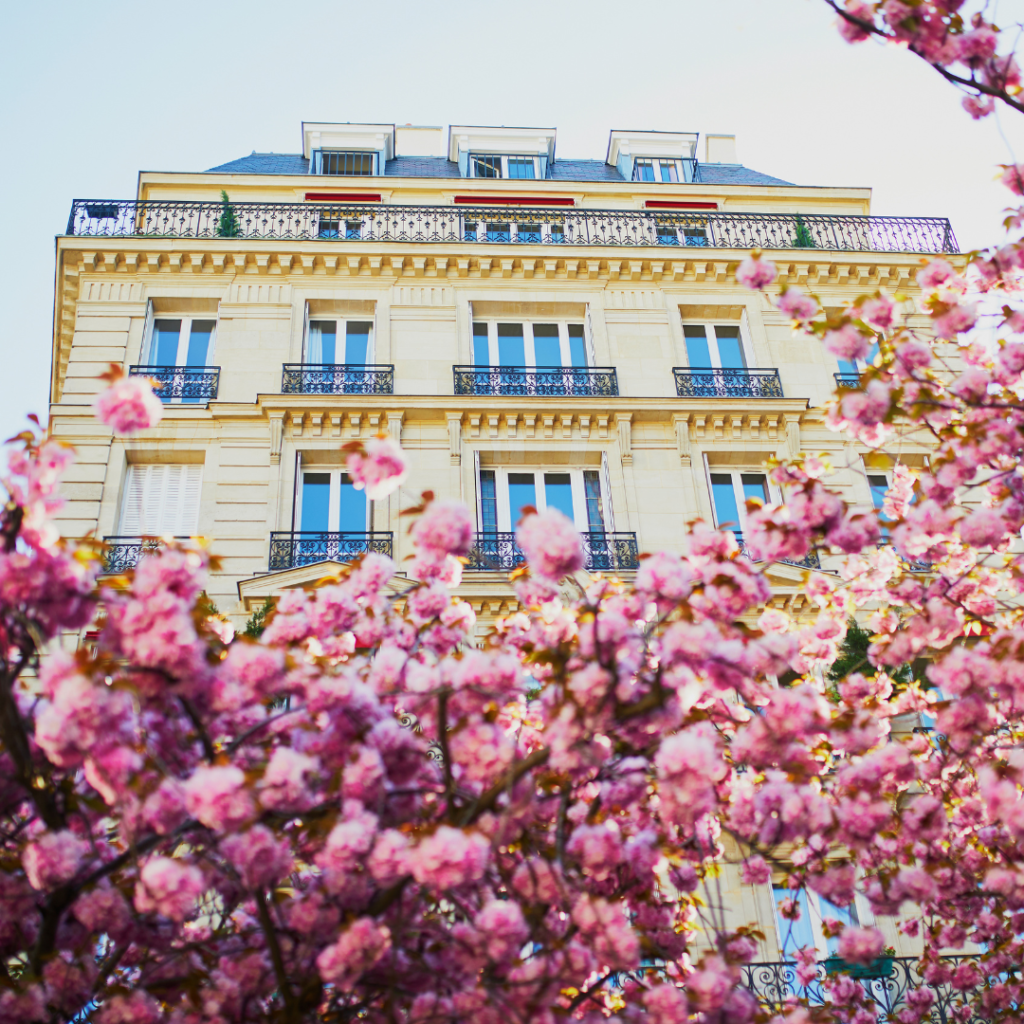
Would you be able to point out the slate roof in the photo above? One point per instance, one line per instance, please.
(441, 167)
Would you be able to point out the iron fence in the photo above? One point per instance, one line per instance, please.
(338, 379)
(714, 382)
(847, 380)
(182, 383)
(289, 550)
(537, 382)
(602, 552)
(773, 983)
(812, 561)
(156, 218)
(123, 553)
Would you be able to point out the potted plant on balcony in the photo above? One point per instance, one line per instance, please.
(880, 967)
(227, 223)
(803, 239)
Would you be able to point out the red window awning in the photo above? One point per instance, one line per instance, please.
(514, 201)
(344, 197)
(671, 204)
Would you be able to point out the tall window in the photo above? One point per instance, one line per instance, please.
(807, 929)
(714, 345)
(334, 342)
(495, 166)
(181, 342)
(329, 503)
(528, 344)
(505, 492)
(729, 494)
(332, 161)
(161, 499)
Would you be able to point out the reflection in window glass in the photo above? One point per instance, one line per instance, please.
(730, 350)
(316, 501)
(546, 347)
(521, 492)
(577, 346)
(558, 492)
(724, 498)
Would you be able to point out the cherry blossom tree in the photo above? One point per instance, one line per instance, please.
(368, 813)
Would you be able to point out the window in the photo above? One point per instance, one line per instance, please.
(715, 345)
(329, 161)
(330, 503)
(577, 493)
(508, 231)
(339, 342)
(181, 342)
(495, 166)
(807, 930)
(649, 169)
(161, 499)
(534, 345)
(336, 227)
(729, 494)
(851, 369)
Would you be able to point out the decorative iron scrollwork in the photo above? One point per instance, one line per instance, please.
(291, 550)
(537, 382)
(716, 382)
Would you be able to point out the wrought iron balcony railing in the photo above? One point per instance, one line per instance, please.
(847, 380)
(773, 983)
(538, 382)
(290, 550)
(812, 561)
(123, 553)
(713, 382)
(338, 379)
(352, 222)
(603, 552)
(182, 383)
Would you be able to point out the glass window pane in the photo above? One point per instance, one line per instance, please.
(595, 506)
(499, 233)
(669, 172)
(793, 935)
(199, 342)
(546, 347)
(872, 353)
(322, 341)
(643, 170)
(668, 234)
(488, 502)
(730, 351)
(487, 166)
(848, 915)
(357, 341)
(520, 167)
(849, 367)
(879, 485)
(558, 492)
(521, 492)
(316, 500)
(755, 486)
(511, 349)
(351, 507)
(577, 345)
(724, 498)
(165, 342)
(698, 355)
(481, 352)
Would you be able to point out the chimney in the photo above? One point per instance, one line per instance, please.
(720, 149)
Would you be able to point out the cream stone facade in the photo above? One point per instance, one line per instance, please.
(606, 278)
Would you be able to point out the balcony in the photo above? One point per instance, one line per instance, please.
(123, 553)
(603, 552)
(847, 380)
(772, 983)
(812, 561)
(338, 379)
(537, 382)
(713, 382)
(484, 226)
(181, 383)
(290, 550)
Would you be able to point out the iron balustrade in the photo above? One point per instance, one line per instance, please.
(537, 382)
(716, 382)
(338, 379)
(181, 383)
(772, 983)
(123, 553)
(812, 561)
(602, 552)
(157, 218)
(289, 550)
(847, 380)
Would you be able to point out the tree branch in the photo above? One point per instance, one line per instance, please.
(276, 958)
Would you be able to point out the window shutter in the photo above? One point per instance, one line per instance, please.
(192, 480)
(136, 483)
(606, 486)
(162, 499)
(588, 339)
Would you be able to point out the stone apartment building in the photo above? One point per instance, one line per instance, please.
(535, 330)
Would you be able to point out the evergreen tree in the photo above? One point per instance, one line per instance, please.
(258, 621)
(228, 225)
(803, 239)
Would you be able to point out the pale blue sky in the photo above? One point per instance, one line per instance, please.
(92, 93)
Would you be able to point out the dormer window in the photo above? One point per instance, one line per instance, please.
(335, 161)
(654, 156)
(494, 166)
(649, 169)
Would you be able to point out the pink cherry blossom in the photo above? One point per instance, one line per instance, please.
(1013, 178)
(381, 468)
(851, 31)
(879, 312)
(755, 272)
(358, 949)
(860, 945)
(217, 797)
(168, 886)
(54, 858)
(445, 528)
(551, 544)
(797, 304)
(847, 343)
(449, 858)
(128, 406)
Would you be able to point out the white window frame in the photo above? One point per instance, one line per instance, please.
(317, 156)
(337, 216)
(579, 494)
(504, 158)
(341, 331)
(530, 355)
(865, 918)
(333, 501)
(544, 228)
(737, 474)
(184, 334)
(191, 479)
(712, 338)
(674, 166)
